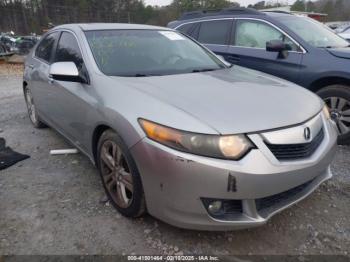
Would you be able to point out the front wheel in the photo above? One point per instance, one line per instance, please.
(337, 98)
(119, 174)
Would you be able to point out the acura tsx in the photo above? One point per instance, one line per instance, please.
(174, 130)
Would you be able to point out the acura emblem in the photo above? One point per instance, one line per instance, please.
(307, 133)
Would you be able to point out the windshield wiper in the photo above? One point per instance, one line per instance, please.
(144, 75)
(203, 70)
(330, 47)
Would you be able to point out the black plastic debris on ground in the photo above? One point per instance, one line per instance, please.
(8, 157)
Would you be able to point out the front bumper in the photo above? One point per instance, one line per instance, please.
(175, 183)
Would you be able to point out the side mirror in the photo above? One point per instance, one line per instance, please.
(278, 46)
(65, 71)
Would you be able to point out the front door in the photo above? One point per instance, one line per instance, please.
(69, 108)
(248, 49)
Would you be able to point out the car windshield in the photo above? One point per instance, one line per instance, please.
(313, 32)
(148, 53)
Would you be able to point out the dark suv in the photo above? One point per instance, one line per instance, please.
(292, 47)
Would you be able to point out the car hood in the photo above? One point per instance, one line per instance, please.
(232, 101)
(340, 52)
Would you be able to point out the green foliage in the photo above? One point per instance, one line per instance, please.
(268, 4)
(311, 7)
(190, 5)
(337, 10)
(299, 5)
(258, 5)
(25, 16)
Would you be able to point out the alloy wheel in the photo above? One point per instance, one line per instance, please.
(116, 174)
(339, 109)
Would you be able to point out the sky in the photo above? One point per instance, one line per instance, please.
(242, 2)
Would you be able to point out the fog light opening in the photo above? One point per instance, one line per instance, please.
(215, 207)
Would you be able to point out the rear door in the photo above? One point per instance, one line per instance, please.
(248, 48)
(187, 29)
(38, 69)
(214, 34)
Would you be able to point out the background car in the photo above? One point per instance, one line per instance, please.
(345, 33)
(175, 131)
(25, 43)
(298, 49)
(17, 44)
(8, 43)
(3, 48)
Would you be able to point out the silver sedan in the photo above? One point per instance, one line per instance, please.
(176, 131)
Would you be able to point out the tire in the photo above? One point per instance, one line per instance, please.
(120, 176)
(32, 112)
(337, 98)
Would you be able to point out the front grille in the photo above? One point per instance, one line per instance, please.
(296, 151)
(270, 201)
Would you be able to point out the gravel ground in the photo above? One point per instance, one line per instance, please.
(56, 205)
(10, 70)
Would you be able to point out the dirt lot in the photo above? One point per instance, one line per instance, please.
(52, 205)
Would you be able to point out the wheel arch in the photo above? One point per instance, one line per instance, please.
(24, 84)
(96, 137)
(327, 81)
(129, 135)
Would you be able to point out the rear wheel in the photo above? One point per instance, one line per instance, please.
(120, 176)
(32, 113)
(337, 98)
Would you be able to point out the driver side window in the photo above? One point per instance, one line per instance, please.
(68, 50)
(256, 34)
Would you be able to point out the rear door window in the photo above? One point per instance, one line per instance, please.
(186, 28)
(214, 32)
(45, 48)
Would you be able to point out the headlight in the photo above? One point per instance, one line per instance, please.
(326, 112)
(227, 147)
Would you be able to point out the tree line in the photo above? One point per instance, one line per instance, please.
(337, 10)
(34, 16)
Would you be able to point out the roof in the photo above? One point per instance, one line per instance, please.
(278, 14)
(220, 12)
(309, 13)
(110, 26)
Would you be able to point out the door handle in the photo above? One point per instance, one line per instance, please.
(51, 80)
(31, 66)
